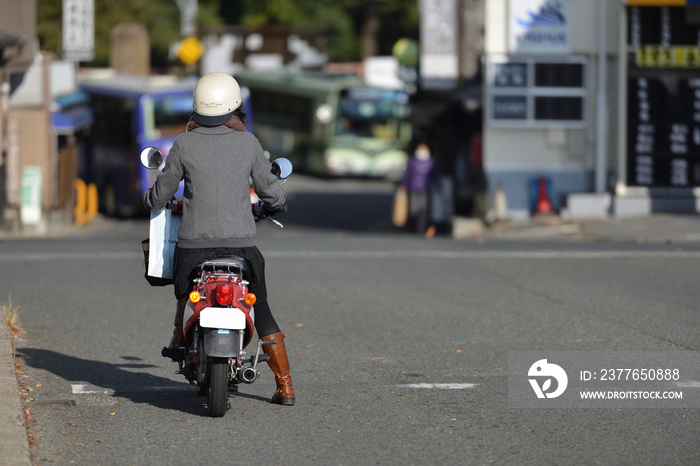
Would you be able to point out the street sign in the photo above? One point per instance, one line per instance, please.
(78, 30)
(439, 44)
(190, 50)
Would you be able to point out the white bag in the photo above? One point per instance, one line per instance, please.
(163, 238)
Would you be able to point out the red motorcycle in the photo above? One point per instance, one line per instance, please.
(219, 316)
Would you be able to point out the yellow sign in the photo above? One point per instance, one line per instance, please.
(190, 50)
(653, 56)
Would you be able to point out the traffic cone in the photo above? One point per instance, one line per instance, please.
(543, 206)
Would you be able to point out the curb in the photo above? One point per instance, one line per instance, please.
(534, 228)
(14, 447)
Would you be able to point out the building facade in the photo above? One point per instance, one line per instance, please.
(597, 99)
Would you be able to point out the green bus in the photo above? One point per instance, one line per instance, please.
(330, 125)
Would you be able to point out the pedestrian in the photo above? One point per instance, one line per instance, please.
(217, 157)
(419, 179)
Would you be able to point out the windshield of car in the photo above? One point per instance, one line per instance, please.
(375, 113)
(171, 114)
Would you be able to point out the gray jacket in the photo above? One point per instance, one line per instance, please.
(216, 164)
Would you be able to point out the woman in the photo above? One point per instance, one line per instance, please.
(217, 157)
(418, 180)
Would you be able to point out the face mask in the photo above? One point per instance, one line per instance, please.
(422, 154)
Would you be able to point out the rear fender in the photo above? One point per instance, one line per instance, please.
(223, 343)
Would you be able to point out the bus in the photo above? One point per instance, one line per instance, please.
(130, 113)
(330, 125)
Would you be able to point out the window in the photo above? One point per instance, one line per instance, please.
(536, 92)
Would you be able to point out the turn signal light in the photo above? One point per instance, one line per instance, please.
(250, 299)
(195, 297)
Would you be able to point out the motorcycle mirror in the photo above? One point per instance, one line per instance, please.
(151, 158)
(281, 168)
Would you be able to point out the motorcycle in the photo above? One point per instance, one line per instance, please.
(218, 322)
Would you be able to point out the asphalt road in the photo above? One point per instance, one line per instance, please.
(398, 345)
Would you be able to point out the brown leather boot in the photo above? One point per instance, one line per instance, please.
(279, 364)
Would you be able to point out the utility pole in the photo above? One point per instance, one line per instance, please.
(188, 14)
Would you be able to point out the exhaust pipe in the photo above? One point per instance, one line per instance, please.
(248, 375)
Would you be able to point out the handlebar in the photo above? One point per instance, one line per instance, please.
(259, 213)
(257, 208)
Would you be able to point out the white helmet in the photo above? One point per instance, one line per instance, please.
(216, 96)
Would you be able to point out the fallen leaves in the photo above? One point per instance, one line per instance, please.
(32, 438)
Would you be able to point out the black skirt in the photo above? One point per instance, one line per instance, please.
(185, 264)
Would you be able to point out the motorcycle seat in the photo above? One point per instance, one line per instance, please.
(229, 264)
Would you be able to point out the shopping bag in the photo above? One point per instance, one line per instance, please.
(161, 243)
(399, 214)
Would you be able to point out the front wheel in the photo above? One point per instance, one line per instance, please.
(217, 394)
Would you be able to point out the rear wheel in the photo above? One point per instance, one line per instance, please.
(201, 367)
(218, 387)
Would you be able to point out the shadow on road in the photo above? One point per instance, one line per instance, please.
(138, 387)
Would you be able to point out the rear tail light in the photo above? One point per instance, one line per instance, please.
(224, 294)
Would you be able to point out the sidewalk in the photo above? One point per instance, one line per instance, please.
(657, 228)
(14, 447)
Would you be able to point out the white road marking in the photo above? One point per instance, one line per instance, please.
(364, 254)
(438, 386)
(484, 254)
(87, 389)
(688, 384)
(40, 257)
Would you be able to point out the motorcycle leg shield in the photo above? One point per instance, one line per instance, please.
(279, 363)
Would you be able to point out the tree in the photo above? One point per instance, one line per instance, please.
(161, 18)
(358, 28)
(380, 23)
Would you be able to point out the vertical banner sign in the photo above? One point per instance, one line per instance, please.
(78, 30)
(30, 208)
(539, 26)
(439, 36)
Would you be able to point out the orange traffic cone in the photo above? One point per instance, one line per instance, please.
(543, 205)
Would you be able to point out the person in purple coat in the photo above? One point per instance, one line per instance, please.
(418, 181)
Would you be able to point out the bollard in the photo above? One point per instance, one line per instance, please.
(92, 201)
(80, 201)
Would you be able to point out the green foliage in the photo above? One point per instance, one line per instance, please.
(160, 17)
(344, 19)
